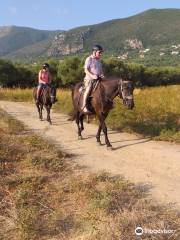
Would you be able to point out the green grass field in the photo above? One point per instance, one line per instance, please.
(156, 113)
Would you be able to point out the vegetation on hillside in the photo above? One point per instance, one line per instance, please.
(155, 29)
(15, 38)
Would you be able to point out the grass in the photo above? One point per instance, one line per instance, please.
(44, 195)
(156, 113)
(17, 94)
(64, 103)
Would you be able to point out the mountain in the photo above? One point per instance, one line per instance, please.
(22, 41)
(149, 29)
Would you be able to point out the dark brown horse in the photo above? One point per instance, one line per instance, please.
(101, 102)
(46, 99)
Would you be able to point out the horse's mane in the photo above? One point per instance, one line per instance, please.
(110, 79)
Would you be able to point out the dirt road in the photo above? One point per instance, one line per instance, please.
(153, 165)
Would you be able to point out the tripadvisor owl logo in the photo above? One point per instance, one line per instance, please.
(139, 231)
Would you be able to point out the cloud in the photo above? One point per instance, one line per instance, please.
(62, 11)
(12, 10)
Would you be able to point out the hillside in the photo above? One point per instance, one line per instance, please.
(148, 29)
(14, 39)
(152, 29)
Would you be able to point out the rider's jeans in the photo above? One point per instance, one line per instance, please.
(88, 86)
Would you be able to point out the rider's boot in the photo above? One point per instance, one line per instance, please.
(85, 110)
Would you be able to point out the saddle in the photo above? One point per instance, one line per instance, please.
(43, 88)
(94, 86)
(107, 101)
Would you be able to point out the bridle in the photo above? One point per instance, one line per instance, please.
(53, 94)
(121, 90)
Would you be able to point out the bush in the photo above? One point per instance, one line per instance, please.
(71, 71)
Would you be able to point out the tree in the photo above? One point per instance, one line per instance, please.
(70, 71)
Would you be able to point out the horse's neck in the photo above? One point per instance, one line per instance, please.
(111, 89)
(47, 91)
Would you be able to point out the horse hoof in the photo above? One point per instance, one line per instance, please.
(109, 148)
(80, 138)
(99, 143)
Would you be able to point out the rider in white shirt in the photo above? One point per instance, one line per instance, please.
(93, 70)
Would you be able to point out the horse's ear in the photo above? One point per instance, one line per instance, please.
(55, 84)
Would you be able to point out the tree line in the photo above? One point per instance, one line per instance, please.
(70, 70)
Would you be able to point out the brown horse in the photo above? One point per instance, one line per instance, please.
(46, 99)
(101, 102)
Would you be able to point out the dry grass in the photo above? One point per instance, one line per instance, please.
(64, 103)
(44, 196)
(17, 94)
(156, 114)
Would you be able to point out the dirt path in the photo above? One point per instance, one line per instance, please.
(153, 165)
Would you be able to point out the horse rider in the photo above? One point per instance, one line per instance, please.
(93, 71)
(44, 79)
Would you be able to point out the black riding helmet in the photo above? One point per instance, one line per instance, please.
(97, 48)
(45, 65)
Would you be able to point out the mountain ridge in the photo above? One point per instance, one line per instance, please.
(151, 28)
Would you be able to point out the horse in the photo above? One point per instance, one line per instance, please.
(101, 102)
(47, 98)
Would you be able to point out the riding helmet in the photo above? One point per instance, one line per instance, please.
(97, 48)
(45, 65)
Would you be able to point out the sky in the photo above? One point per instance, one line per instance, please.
(68, 14)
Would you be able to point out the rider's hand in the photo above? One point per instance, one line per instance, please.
(102, 76)
(95, 76)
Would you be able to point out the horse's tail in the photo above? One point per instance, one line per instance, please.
(75, 104)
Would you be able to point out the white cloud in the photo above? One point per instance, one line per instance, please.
(12, 10)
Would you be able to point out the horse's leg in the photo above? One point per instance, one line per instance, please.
(77, 122)
(49, 117)
(102, 118)
(81, 121)
(38, 108)
(87, 119)
(41, 108)
(48, 107)
(98, 134)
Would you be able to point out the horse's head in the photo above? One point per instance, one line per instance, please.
(53, 94)
(126, 89)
